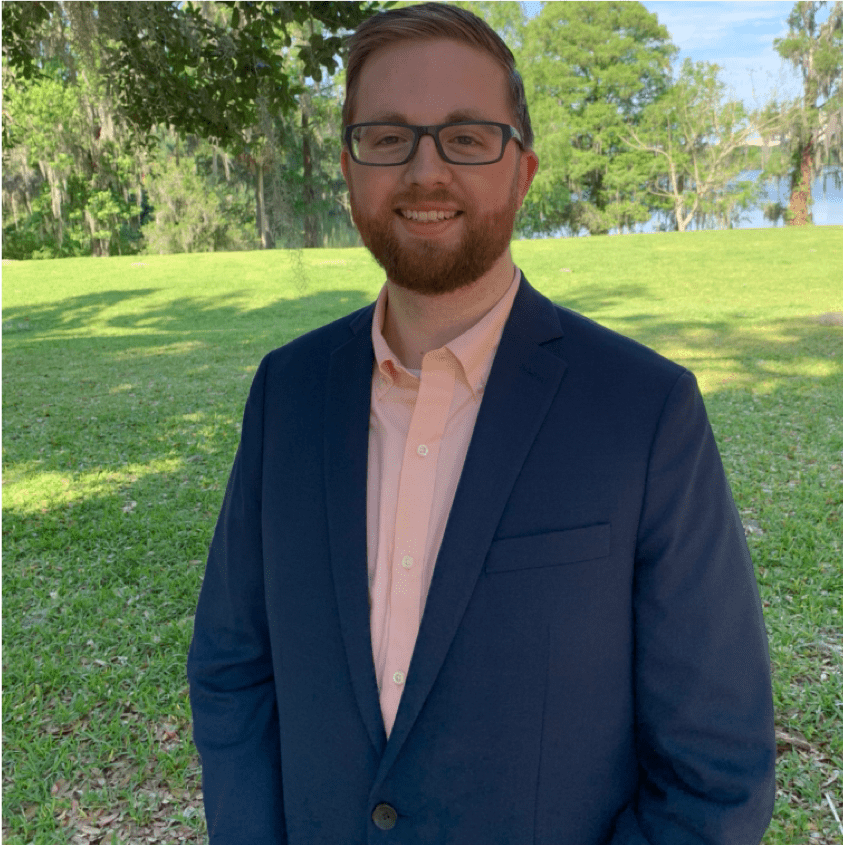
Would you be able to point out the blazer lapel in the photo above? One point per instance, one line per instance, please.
(346, 463)
(523, 382)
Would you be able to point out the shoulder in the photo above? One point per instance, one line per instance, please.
(309, 354)
(589, 349)
(607, 363)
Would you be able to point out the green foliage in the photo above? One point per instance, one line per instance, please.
(90, 89)
(168, 63)
(174, 62)
(507, 18)
(697, 139)
(226, 71)
(588, 69)
(812, 133)
(20, 22)
(68, 179)
(815, 48)
(43, 114)
(309, 145)
(74, 122)
(31, 238)
(190, 210)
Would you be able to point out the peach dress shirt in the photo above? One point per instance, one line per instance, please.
(420, 425)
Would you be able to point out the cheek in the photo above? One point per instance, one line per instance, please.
(376, 191)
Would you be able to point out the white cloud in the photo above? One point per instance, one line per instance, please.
(738, 36)
(690, 19)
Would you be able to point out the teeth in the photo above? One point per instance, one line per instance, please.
(428, 216)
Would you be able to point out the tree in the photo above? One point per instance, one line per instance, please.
(194, 209)
(507, 18)
(59, 123)
(169, 63)
(590, 69)
(815, 132)
(698, 142)
(219, 71)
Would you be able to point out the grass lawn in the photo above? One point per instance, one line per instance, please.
(124, 381)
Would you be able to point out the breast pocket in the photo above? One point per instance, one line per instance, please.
(550, 548)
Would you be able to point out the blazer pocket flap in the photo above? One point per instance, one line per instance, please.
(551, 548)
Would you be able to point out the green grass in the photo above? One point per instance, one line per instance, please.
(123, 385)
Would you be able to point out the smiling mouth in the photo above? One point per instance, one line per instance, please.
(427, 216)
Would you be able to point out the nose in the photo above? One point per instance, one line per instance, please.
(427, 166)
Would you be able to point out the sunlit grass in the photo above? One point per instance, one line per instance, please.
(123, 387)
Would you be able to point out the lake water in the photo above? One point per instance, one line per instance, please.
(827, 208)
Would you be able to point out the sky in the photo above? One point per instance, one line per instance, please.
(736, 35)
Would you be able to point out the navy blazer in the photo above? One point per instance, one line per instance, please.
(592, 664)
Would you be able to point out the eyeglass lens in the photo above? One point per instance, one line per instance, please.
(467, 143)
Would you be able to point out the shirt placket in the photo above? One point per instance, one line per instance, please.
(412, 516)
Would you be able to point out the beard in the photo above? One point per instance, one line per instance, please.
(433, 268)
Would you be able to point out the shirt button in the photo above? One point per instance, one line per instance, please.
(422, 450)
(398, 677)
(407, 561)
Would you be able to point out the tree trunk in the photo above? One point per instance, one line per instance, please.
(799, 209)
(311, 224)
(258, 198)
(267, 241)
(677, 189)
(679, 214)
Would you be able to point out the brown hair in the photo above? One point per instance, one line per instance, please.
(426, 21)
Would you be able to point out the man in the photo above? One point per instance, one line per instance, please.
(478, 577)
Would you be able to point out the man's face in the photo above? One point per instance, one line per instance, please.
(426, 83)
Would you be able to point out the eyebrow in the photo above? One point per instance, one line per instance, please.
(451, 117)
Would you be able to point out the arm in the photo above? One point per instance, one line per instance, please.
(229, 666)
(704, 711)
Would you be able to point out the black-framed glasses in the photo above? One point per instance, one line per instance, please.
(466, 142)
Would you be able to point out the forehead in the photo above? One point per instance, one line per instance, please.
(426, 81)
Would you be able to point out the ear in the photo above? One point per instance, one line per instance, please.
(344, 157)
(527, 167)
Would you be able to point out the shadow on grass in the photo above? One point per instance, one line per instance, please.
(150, 440)
(74, 312)
(231, 313)
(220, 314)
(170, 387)
(732, 353)
(142, 360)
(730, 350)
(153, 363)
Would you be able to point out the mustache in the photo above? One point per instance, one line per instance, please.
(413, 198)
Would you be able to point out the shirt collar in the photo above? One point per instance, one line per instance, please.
(474, 348)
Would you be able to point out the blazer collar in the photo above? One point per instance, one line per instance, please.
(523, 381)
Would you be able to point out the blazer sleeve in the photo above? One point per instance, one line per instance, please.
(229, 665)
(703, 700)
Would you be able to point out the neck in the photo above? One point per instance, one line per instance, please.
(416, 323)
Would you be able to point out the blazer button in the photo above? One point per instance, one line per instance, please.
(384, 817)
